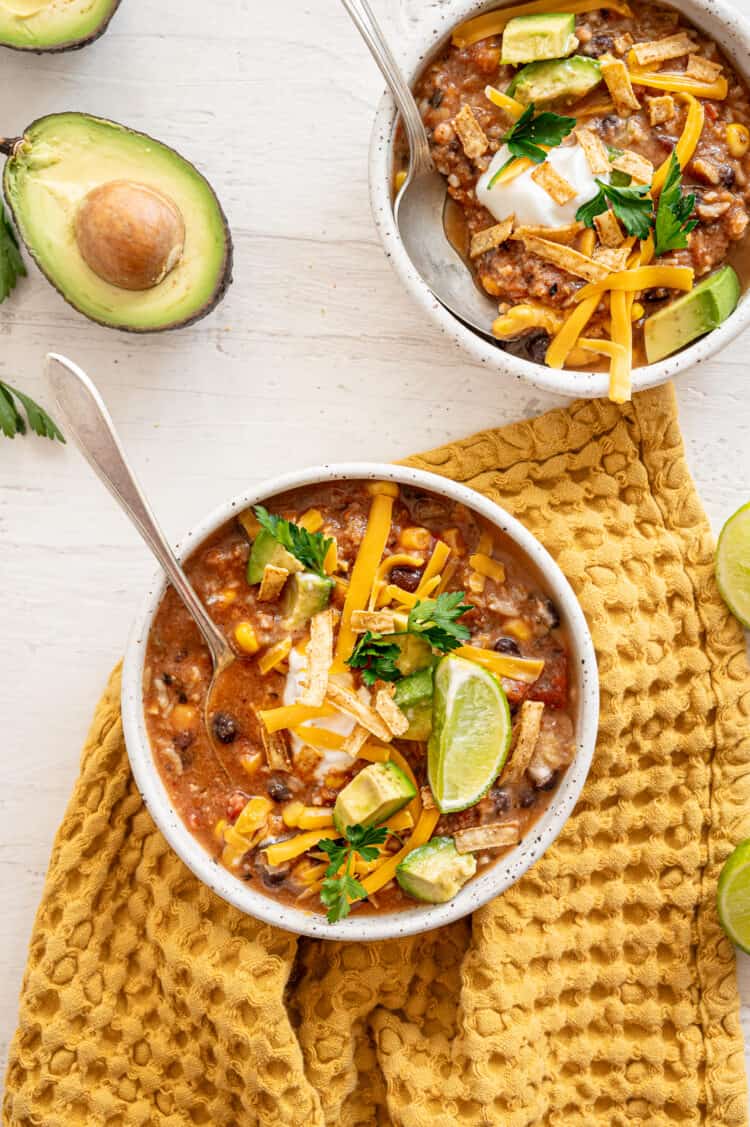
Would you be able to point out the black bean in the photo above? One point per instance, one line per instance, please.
(500, 799)
(553, 289)
(526, 799)
(537, 345)
(407, 578)
(727, 175)
(278, 790)
(552, 615)
(271, 878)
(437, 99)
(225, 727)
(657, 294)
(167, 678)
(506, 645)
(550, 783)
(182, 698)
(599, 45)
(183, 740)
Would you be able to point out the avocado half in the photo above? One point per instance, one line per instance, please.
(128, 231)
(27, 25)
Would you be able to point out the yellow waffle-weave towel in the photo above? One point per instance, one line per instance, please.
(597, 991)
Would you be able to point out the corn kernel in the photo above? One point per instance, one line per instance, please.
(226, 597)
(315, 818)
(219, 828)
(184, 718)
(275, 655)
(400, 180)
(738, 139)
(485, 565)
(419, 538)
(253, 815)
(331, 561)
(588, 240)
(454, 540)
(476, 582)
(334, 781)
(485, 544)
(637, 311)
(291, 812)
(312, 520)
(517, 628)
(246, 637)
(382, 488)
(251, 763)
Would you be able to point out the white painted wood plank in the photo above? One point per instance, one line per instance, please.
(316, 353)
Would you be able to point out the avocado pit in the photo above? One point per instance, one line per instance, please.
(129, 234)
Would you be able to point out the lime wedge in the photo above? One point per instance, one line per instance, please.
(733, 564)
(471, 733)
(733, 896)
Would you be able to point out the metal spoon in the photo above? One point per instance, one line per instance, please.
(88, 421)
(420, 206)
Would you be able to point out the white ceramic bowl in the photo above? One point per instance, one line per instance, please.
(721, 22)
(491, 881)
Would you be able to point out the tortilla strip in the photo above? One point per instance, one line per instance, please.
(641, 170)
(623, 43)
(490, 237)
(377, 621)
(615, 74)
(497, 835)
(272, 583)
(595, 151)
(276, 749)
(355, 741)
(703, 69)
(552, 234)
(660, 109)
(346, 701)
(566, 258)
(608, 229)
(659, 50)
(470, 133)
(428, 801)
(555, 185)
(614, 258)
(388, 710)
(319, 659)
(528, 729)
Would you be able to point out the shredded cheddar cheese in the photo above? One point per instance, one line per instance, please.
(493, 23)
(640, 278)
(420, 835)
(687, 143)
(365, 567)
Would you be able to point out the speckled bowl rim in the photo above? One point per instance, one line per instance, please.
(488, 884)
(722, 23)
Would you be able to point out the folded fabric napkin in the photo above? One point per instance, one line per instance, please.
(598, 990)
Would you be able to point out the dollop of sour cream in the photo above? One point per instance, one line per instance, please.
(527, 200)
(329, 760)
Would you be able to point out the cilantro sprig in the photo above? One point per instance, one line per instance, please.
(527, 135)
(435, 620)
(11, 263)
(673, 223)
(341, 888)
(12, 421)
(631, 206)
(309, 548)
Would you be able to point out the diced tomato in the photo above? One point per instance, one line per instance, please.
(710, 110)
(552, 686)
(235, 805)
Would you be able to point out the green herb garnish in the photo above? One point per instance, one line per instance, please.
(673, 223)
(435, 620)
(339, 889)
(309, 548)
(11, 263)
(529, 133)
(12, 421)
(631, 206)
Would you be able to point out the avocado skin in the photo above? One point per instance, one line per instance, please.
(71, 45)
(226, 277)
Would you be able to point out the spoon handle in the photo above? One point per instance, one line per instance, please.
(370, 30)
(88, 421)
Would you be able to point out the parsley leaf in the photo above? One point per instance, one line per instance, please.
(437, 621)
(309, 548)
(629, 205)
(673, 223)
(529, 133)
(339, 889)
(11, 263)
(12, 421)
(376, 656)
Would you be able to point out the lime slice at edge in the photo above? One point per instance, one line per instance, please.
(471, 734)
(733, 896)
(733, 564)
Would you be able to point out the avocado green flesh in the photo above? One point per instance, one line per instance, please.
(304, 595)
(267, 551)
(693, 315)
(416, 653)
(557, 80)
(36, 25)
(62, 157)
(548, 35)
(414, 697)
(372, 796)
(436, 871)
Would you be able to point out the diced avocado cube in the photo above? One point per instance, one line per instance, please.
(372, 796)
(416, 653)
(304, 595)
(558, 80)
(692, 315)
(436, 871)
(414, 697)
(549, 35)
(266, 550)
(420, 721)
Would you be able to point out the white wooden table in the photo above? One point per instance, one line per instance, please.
(316, 354)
